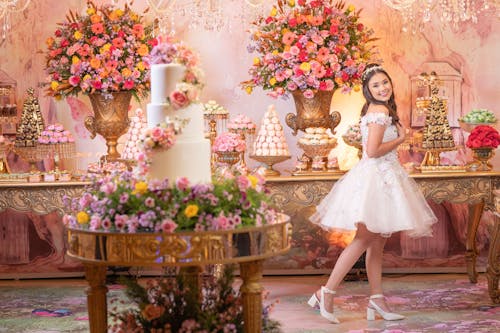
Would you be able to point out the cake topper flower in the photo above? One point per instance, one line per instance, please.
(100, 51)
(168, 50)
(307, 46)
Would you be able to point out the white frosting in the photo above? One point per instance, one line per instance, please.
(190, 156)
(164, 78)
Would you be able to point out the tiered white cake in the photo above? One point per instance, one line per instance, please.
(190, 156)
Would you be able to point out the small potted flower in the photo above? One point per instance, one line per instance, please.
(483, 140)
(228, 147)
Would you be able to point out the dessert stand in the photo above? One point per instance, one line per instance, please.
(319, 152)
(269, 161)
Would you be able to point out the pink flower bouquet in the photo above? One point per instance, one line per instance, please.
(229, 142)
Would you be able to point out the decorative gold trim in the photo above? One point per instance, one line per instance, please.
(180, 249)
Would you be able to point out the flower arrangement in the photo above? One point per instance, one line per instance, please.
(309, 46)
(161, 137)
(483, 136)
(101, 51)
(55, 133)
(229, 142)
(168, 50)
(122, 202)
(169, 304)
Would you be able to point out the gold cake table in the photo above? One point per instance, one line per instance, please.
(247, 246)
(476, 189)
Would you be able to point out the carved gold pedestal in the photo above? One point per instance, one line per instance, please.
(189, 250)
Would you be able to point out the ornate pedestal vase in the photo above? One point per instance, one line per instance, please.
(482, 156)
(110, 119)
(313, 112)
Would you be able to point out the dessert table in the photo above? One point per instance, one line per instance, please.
(303, 193)
(247, 246)
(293, 193)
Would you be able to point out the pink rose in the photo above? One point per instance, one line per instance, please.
(178, 99)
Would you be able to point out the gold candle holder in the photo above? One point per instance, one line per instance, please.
(243, 132)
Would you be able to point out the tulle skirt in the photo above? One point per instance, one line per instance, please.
(378, 193)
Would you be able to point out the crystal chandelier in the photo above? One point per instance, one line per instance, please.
(210, 15)
(452, 12)
(7, 7)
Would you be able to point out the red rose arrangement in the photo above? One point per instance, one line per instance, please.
(483, 136)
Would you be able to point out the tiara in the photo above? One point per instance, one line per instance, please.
(369, 70)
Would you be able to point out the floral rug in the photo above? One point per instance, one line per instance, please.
(431, 303)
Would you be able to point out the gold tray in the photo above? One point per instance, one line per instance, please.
(441, 168)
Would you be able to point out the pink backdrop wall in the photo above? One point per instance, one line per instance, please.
(472, 51)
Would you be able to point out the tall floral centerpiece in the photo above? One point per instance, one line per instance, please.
(309, 48)
(100, 54)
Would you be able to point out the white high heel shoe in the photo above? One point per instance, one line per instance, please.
(373, 307)
(314, 301)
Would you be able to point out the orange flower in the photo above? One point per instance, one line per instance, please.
(95, 63)
(143, 50)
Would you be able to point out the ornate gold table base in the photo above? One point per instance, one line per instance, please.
(493, 268)
(248, 247)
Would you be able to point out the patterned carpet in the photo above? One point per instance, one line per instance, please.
(431, 302)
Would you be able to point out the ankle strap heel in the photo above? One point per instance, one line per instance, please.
(373, 308)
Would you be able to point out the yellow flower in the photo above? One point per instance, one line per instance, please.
(140, 66)
(75, 59)
(54, 85)
(126, 72)
(274, 11)
(305, 66)
(256, 61)
(351, 8)
(105, 48)
(272, 81)
(87, 77)
(119, 12)
(49, 41)
(191, 210)
(291, 3)
(140, 188)
(357, 88)
(78, 35)
(112, 16)
(82, 217)
(253, 180)
(275, 52)
(90, 11)
(248, 89)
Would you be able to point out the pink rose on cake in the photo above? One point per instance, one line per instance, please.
(167, 51)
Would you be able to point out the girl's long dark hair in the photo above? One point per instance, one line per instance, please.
(391, 103)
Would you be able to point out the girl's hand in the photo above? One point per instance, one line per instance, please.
(401, 132)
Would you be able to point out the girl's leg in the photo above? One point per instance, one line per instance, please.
(346, 261)
(374, 255)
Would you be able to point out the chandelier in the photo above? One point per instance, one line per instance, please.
(210, 15)
(416, 13)
(7, 7)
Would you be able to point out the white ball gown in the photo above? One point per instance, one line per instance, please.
(376, 192)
